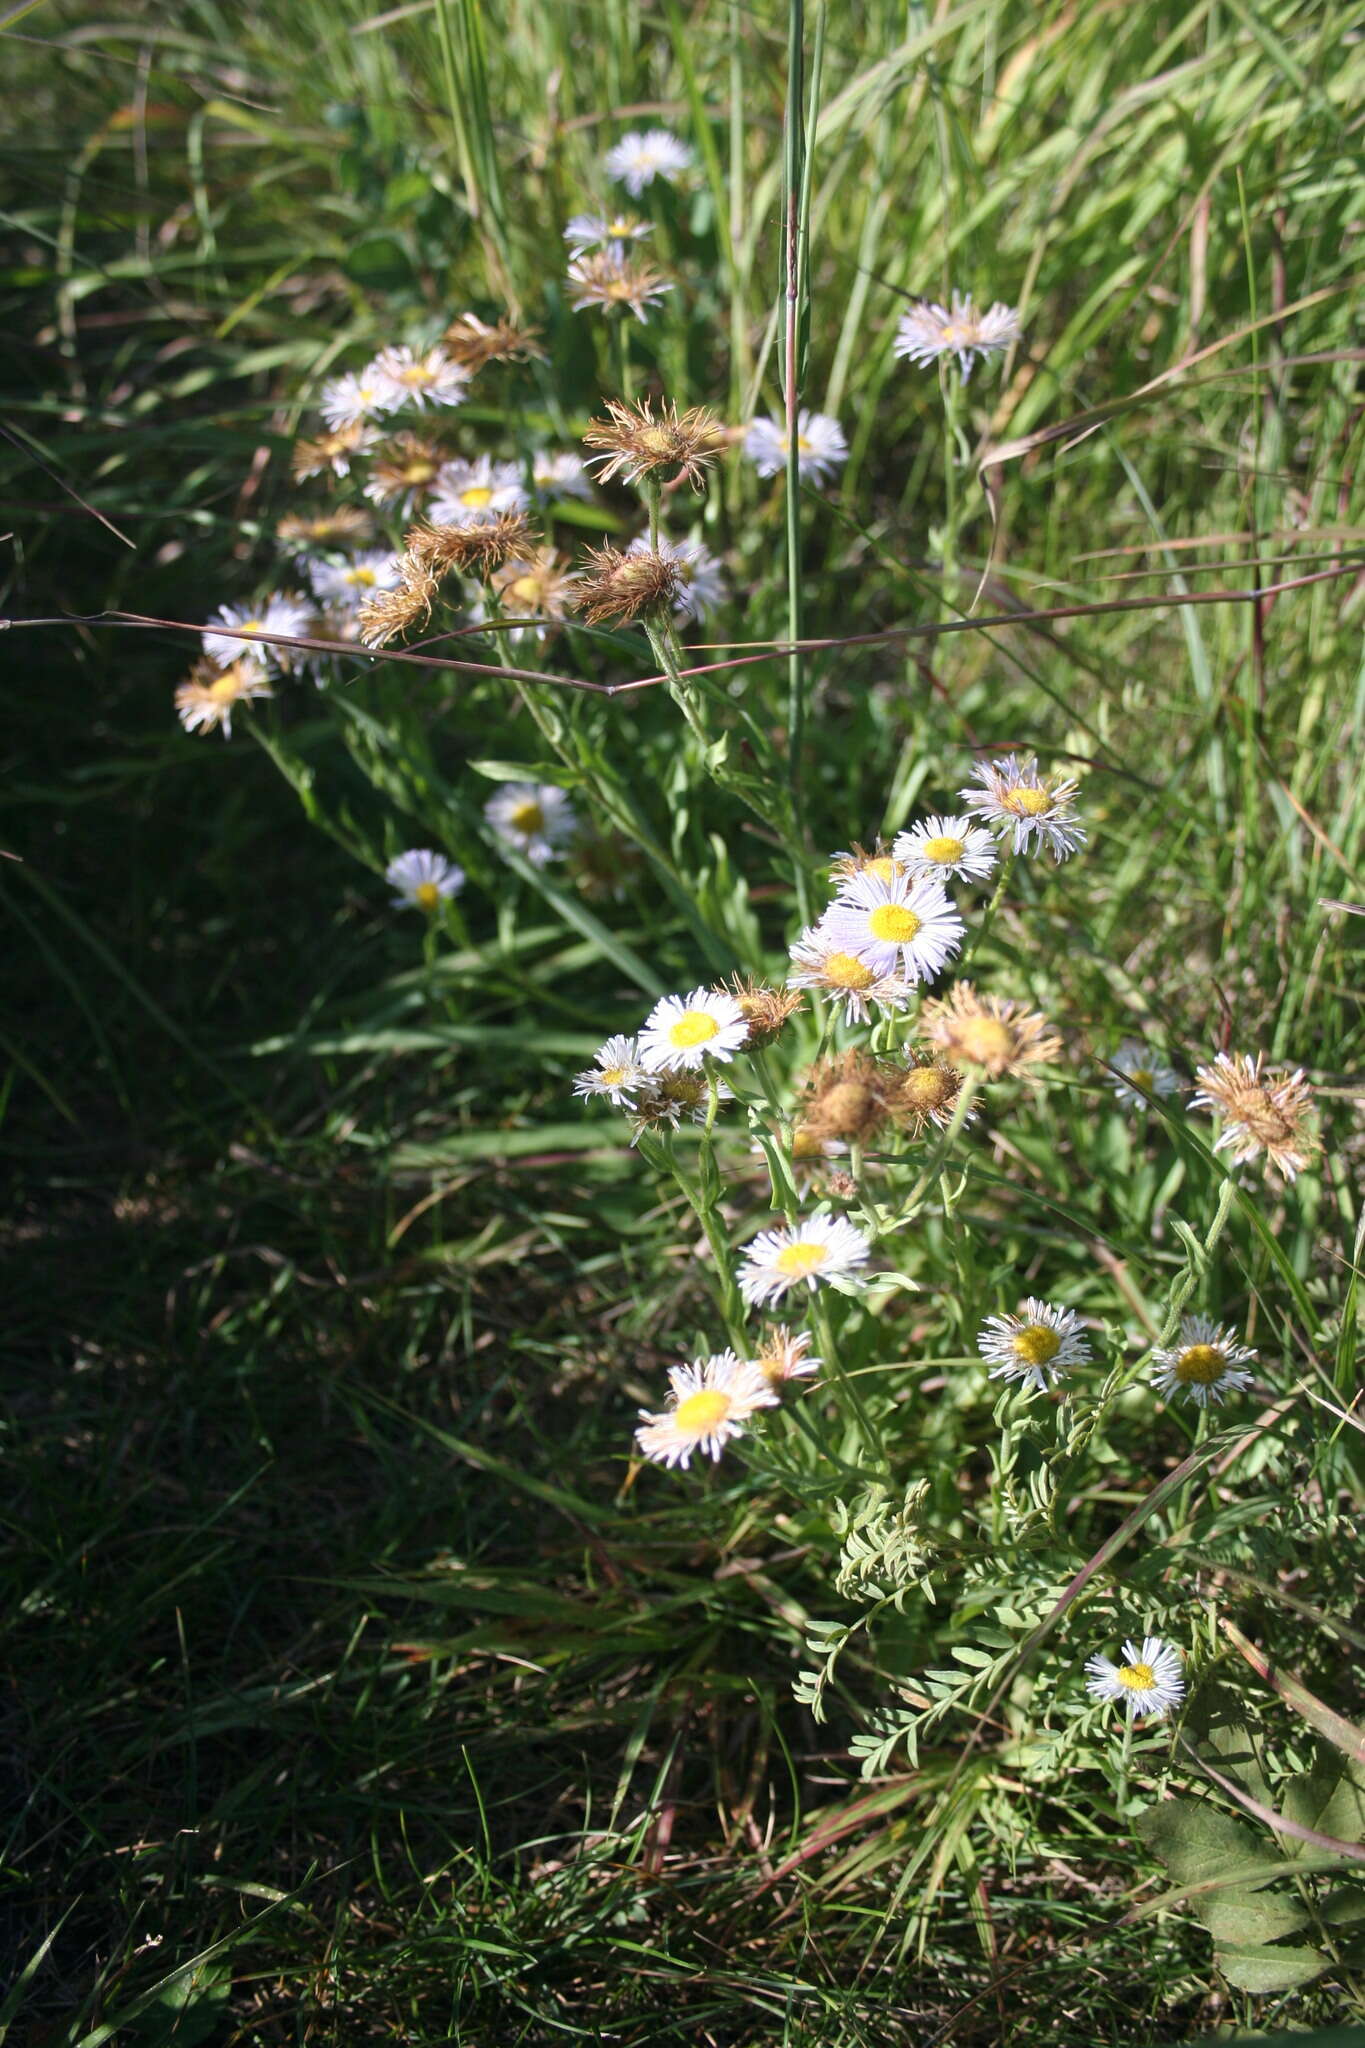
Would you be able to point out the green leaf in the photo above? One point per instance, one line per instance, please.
(1270, 1969)
(1330, 1799)
(1195, 1841)
(1243, 1916)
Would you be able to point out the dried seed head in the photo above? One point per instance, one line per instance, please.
(928, 1095)
(623, 586)
(842, 1186)
(472, 342)
(479, 549)
(672, 1094)
(992, 1032)
(637, 444)
(342, 527)
(403, 469)
(1262, 1111)
(849, 1096)
(390, 612)
(766, 1010)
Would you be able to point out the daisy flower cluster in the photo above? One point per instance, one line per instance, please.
(710, 1400)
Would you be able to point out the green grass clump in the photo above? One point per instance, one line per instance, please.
(364, 1685)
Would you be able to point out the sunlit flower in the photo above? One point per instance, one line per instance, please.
(820, 446)
(929, 331)
(882, 862)
(534, 817)
(845, 977)
(616, 1073)
(1037, 1346)
(1206, 1364)
(636, 443)
(819, 1248)
(615, 282)
(642, 156)
(352, 400)
(700, 584)
(210, 693)
(1143, 1067)
(906, 926)
(343, 526)
(947, 847)
(1262, 1112)
(404, 472)
(1149, 1681)
(473, 343)
(784, 1355)
(675, 1093)
(1018, 801)
(332, 452)
(992, 1032)
(419, 377)
(558, 476)
(681, 1030)
(472, 493)
(351, 582)
(604, 231)
(928, 1096)
(709, 1402)
(626, 586)
(289, 617)
(423, 880)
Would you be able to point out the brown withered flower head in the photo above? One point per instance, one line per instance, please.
(672, 1094)
(616, 282)
(472, 342)
(928, 1095)
(849, 1096)
(332, 451)
(388, 613)
(991, 1032)
(766, 1010)
(539, 585)
(621, 586)
(344, 526)
(475, 549)
(403, 470)
(636, 444)
(1263, 1110)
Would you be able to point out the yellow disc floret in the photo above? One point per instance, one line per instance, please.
(1037, 1344)
(1137, 1677)
(702, 1412)
(893, 923)
(527, 818)
(846, 970)
(1200, 1365)
(427, 895)
(797, 1260)
(694, 1027)
(944, 849)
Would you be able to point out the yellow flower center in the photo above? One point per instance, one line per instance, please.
(806, 1145)
(1143, 1077)
(1137, 1677)
(476, 497)
(698, 1414)
(1200, 1365)
(947, 334)
(427, 895)
(926, 1088)
(224, 688)
(944, 849)
(1027, 803)
(803, 446)
(846, 970)
(894, 923)
(694, 1027)
(983, 1039)
(361, 578)
(612, 1077)
(654, 440)
(418, 471)
(883, 867)
(527, 818)
(619, 230)
(797, 1260)
(525, 589)
(1036, 1344)
(414, 376)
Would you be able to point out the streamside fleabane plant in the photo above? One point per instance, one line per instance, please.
(994, 1033)
(1265, 1111)
(1038, 1346)
(820, 963)
(616, 1073)
(955, 848)
(349, 583)
(418, 377)
(475, 493)
(818, 1249)
(700, 583)
(1206, 1364)
(422, 880)
(928, 1096)
(536, 818)
(624, 586)
(1033, 810)
(290, 617)
(388, 613)
(784, 1355)
(612, 282)
(205, 701)
(676, 1095)
(341, 527)
(644, 155)
(709, 1403)
(929, 332)
(1139, 1072)
(357, 397)
(680, 1031)
(670, 445)
(472, 343)
(1149, 1682)
(403, 473)
(604, 231)
(906, 926)
(821, 449)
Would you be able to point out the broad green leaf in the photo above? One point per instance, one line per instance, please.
(1270, 1969)
(1330, 1799)
(1243, 1916)
(1195, 1841)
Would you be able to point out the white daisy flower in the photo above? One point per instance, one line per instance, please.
(351, 582)
(333, 451)
(616, 1072)
(209, 694)
(1206, 1364)
(947, 846)
(907, 926)
(709, 1403)
(423, 880)
(1149, 1681)
(929, 331)
(290, 617)
(641, 157)
(409, 376)
(784, 1355)
(701, 584)
(351, 400)
(675, 1093)
(1016, 799)
(534, 817)
(610, 279)
(1037, 1346)
(680, 1030)
(1143, 1066)
(474, 493)
(820, 446)
(819, 1248)
(604, 231)
(846, 977)
(559, 476)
